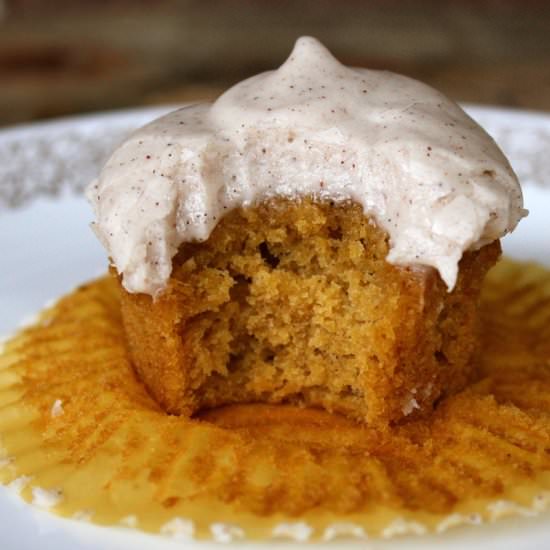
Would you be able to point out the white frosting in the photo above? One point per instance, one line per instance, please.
(226, 532)
(299, 531)
(57, 408)
(179, 529)
(426, 172)
(46, 498)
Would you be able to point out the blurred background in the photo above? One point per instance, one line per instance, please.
(61, 57)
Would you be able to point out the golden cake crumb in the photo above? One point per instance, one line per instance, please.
(294, 302)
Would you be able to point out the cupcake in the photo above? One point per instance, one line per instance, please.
(317, 236)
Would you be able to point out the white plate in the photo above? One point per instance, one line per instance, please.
(47, 248)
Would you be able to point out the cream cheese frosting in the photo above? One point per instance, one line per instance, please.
(424, 170)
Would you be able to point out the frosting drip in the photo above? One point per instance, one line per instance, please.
(423, 169)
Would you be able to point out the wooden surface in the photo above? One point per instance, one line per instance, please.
(61, 57)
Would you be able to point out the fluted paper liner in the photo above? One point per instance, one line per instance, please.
(81, 436)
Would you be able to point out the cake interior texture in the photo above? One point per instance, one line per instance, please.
(293, 301)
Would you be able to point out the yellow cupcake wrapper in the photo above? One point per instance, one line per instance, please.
(80, 436)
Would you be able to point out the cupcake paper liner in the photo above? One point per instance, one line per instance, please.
(80, 436)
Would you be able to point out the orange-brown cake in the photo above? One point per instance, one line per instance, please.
(294, 301)
(318, 235)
